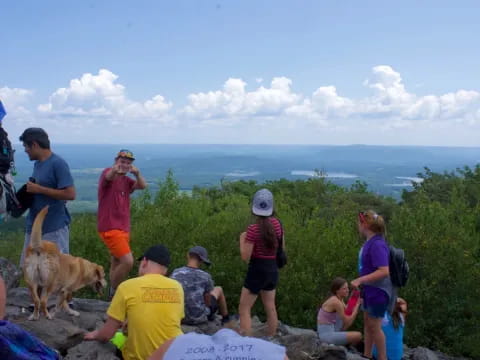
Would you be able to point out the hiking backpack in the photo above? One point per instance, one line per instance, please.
(398, 267)
(6, 152)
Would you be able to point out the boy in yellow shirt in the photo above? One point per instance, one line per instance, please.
(152, 303)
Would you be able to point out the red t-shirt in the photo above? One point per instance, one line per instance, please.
(254, 236)
(114, 203)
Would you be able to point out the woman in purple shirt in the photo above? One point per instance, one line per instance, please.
(374, 280)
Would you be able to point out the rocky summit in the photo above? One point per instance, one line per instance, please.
(65, 333)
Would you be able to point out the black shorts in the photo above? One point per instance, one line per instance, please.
(262, 274)
(213, 307)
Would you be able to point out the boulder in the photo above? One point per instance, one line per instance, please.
(65, 332)
(92, 350)
(300, 347)
(20, 297)
(10, 273)
(290, 330)
(59, 334)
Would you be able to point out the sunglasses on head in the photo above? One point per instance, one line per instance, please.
(125, 154)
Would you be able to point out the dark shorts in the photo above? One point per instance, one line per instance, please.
(262, 274)
(376, 310)
(213, 308)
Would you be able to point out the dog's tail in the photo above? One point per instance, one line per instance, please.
(36, 237)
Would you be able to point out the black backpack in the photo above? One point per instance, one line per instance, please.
(6, 152)
(398, 267)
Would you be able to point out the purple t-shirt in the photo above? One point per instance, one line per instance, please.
(373, 255)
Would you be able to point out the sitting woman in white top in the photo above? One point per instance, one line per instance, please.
(332, 320)
(224, 344)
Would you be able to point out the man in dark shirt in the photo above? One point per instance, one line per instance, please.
(202, 298)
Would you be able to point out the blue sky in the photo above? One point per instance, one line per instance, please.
(370, 72)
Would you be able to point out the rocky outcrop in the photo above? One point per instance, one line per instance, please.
(65, 333)
(10, 273)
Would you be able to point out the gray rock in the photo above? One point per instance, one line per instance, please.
(92, 350)
(333, 352)
(301, 347)
(421, 353)
(90, 305)
(57, 333)
(87, 320)
(21, 297)
(290, 330)
(10, 273)
(65, 332)
(354, 356)
(208, 328)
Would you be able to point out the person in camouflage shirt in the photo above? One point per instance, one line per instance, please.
(202, 299)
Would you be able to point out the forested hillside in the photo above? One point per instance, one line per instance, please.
(437, 224)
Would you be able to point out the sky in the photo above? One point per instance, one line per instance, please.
(243, 72)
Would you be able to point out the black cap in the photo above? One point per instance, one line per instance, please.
(158, 254)
(201, 252)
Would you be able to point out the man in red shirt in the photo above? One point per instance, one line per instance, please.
(114, 189)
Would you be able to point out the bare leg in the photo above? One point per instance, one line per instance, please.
(217, 292)
(247, 299)
(119, 269)
(368, 337)
(268, 299)
(354, 337)
(378, 337)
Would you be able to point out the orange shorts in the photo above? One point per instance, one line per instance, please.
(117, 241)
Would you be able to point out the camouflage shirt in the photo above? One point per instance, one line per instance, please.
(196, 283)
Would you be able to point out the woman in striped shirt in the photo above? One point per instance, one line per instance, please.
(258, 247)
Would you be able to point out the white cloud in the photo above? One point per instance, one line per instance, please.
(101, 97)
(234, 102)
(90, 104)
(15, 101)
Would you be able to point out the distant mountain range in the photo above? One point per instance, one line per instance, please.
(387, 170)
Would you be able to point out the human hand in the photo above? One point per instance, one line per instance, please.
(356, 283)
(91, 335)
(120, 169)
(33, 188)
(134, 170)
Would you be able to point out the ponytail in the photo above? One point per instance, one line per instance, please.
(267, 232)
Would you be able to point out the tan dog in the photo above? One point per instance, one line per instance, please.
(48, 271)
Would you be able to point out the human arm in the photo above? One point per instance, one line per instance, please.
(67, 193)
(246, 247)
(378, 274)
(140, 182)
(112, 172)
(106, 332)
(3, 298)
(62, 188)
(347, 319)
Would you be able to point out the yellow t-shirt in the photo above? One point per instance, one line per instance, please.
(153, 305)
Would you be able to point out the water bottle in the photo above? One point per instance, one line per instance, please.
(352, 302)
